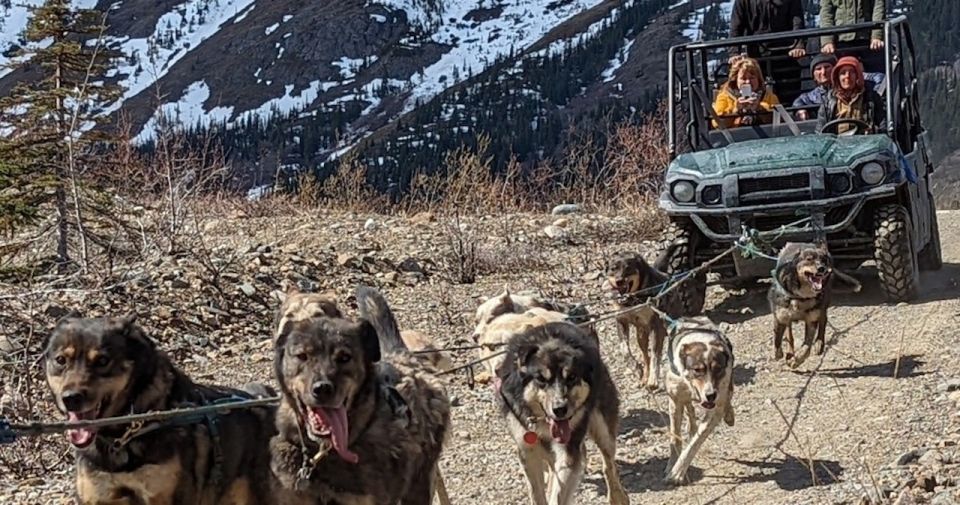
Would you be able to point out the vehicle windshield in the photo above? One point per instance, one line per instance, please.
(773, 93)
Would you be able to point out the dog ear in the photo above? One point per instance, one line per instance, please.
(369, 341)
(525, 355)
(280, 340)
(62, 322)
(140, 344)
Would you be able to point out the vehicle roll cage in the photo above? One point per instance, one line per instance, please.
(697, 79)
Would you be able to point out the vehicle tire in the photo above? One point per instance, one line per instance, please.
(931, 256)
(676, 255)
(894, 253)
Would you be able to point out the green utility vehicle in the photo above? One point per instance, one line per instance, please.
(867, 194)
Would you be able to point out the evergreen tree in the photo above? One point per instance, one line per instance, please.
(49, 122)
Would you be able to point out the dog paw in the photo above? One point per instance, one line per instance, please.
(675, 479)
(619, 497)
(777, 355)
(653, 387)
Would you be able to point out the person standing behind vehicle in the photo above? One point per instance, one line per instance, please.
(755, 17)
(744, 95)
(851, 99)
(849, 12)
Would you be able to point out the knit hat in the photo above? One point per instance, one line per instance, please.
(822, 58)
(848, 61)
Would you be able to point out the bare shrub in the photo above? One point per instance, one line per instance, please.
(348, 189)
(461, 260)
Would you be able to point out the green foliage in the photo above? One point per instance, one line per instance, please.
(49, 117)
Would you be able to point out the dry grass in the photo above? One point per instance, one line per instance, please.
(626, 181)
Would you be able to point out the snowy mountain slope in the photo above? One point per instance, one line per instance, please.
(345, 69)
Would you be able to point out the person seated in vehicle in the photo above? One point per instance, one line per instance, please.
(849, 98)
(744, 95)
(821, 69)
(851, 12)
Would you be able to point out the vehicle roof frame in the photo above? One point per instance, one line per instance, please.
(675, 95)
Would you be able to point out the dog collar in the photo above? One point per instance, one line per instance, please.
(530, 437)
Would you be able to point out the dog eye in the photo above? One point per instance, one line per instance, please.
(61, 360)
(343, 357)
(302, 356)
(101, 361)
(540, 379)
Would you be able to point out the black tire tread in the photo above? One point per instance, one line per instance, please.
(892, 253)
(931, 257)
(675, 254)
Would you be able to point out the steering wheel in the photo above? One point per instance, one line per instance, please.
(862, 126)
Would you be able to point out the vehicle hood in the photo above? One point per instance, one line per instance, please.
(824, 150)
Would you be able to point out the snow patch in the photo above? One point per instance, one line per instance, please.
(188, 110)
(349, 66)
(243, 14)
(622, 56)
(272, 28)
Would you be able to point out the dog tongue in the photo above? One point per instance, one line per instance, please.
(560, 430)
(79, 437)
(817, 281)
(336, 420)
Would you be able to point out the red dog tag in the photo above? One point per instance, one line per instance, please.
(530, 437)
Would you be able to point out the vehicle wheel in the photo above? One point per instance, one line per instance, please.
(676, 255)
(931, 257)
(894, 253)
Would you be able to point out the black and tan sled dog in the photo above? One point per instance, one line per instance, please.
(362, 420)
(803, 283)
(107, 367)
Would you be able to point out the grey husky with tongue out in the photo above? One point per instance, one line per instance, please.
(362, 420)
(555, 392)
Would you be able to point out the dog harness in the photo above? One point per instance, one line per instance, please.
(139, 429)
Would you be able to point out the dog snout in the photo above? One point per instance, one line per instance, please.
(560, 411)
(322, 390)
(73, 400)
(711, 396)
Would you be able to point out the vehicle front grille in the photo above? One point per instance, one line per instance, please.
(782, 189)
(761, 184)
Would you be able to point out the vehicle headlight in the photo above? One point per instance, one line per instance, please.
(839, 183)
(683, 191)
(872, 173)
(711, 195)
